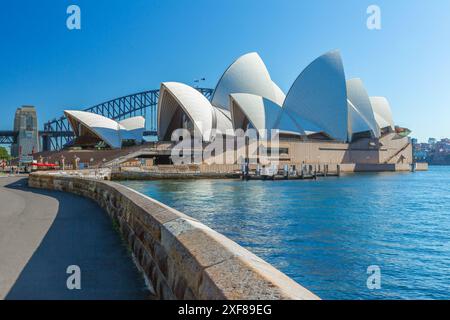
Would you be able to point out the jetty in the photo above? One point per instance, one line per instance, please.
(290, 172)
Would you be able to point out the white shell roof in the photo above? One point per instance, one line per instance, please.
(262, 113)
(257, 109)
(223, 120)
(356, 121)
(320, 100)
(383, 113)
(107, 129)
(319, 96)
(204, 116)
(133, 123)
(248, 74)
(110, 131)
(287, 123)
(359, 100)
(134, 128)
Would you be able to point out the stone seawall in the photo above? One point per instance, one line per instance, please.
(421, 166)
(150, 175)
(232, 171)
(382, 167)
(180, 257)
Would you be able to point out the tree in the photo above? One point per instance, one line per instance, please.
(4, 154)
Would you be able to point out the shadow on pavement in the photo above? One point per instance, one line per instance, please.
(81, 234)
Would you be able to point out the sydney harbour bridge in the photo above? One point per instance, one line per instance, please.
(57, 132)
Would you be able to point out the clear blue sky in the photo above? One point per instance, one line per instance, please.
(128, 46)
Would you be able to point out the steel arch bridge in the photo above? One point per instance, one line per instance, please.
(57, 132)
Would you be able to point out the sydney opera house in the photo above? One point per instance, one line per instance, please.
(323, 118)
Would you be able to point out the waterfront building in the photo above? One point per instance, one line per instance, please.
(436, 153)
(26, 128)
(323, 118)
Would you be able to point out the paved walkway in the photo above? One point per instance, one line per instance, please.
(43, 232)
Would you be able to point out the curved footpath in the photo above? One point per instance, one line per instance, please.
(43, 232)
(180, 257)
(62, 220)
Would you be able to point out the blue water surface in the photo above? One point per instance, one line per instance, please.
(326, 233)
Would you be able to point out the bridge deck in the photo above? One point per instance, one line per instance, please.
(44, 232)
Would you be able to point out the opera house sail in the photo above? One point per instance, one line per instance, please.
(91, 129)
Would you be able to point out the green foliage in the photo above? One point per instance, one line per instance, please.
(4, 155)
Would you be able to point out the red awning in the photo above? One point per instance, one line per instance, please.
(45, 165)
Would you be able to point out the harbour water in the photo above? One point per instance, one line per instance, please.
(326, 233)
